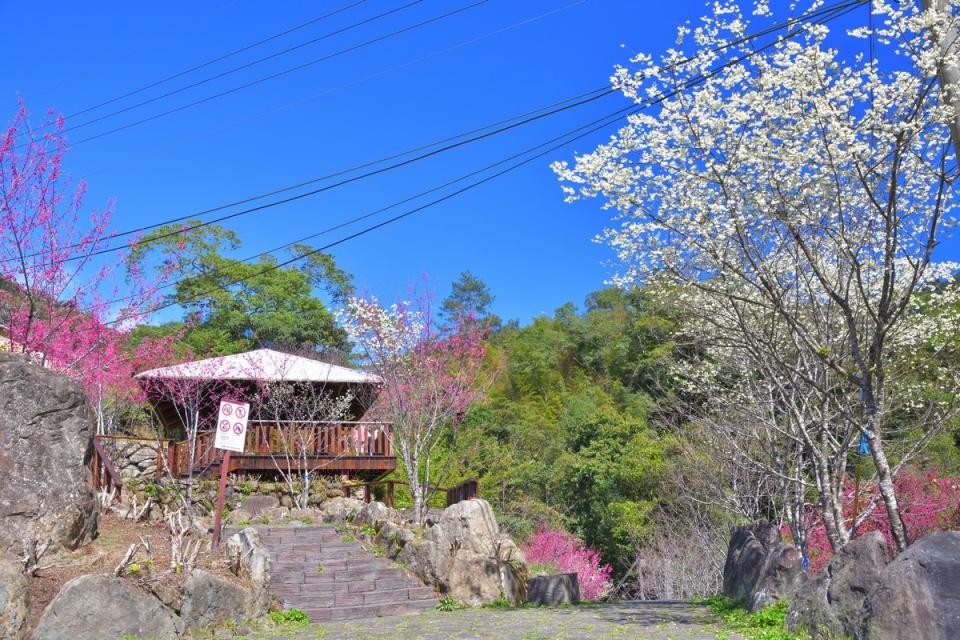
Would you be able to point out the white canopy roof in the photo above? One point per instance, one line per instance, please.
(263, 364)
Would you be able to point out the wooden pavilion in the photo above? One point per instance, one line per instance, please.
(351, 447)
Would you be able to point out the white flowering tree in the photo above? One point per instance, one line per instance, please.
(795, 199)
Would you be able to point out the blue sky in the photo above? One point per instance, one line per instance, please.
(489, 62)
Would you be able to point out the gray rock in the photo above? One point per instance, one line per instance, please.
(831, 603)
(248, 557)
(759, 569)
(46, 447)
(563, 588)
(485, 565)
(93, 607)
(376, 514)
(14, 603)
(209, 600)
(471, 525)
(341, 508)
(257, 505)
(918, 595)
(428, 559)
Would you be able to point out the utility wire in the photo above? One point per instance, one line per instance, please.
(631, 109)
(213, 61)
(284, 72)
(247, 65)
(825, 13)
(591, 127)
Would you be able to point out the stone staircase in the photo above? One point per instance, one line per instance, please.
(330, 577)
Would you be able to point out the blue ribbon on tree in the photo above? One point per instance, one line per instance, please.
(864, 447)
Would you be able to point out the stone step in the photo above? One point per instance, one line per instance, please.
(327, 614)
(353, 582)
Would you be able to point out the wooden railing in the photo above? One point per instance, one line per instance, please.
(294, 439)
(466, 490)
(105, 475)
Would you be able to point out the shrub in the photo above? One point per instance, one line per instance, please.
(563, 551)
(449, 603)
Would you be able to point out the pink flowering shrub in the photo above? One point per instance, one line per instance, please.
(928, 501)
(564, 552)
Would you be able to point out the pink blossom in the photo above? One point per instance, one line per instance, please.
(568, 555)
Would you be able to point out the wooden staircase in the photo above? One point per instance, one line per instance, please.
(330, 577)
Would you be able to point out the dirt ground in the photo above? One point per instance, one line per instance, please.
(149, 569)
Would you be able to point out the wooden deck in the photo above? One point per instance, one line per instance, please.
(362, 450)
(356, 449)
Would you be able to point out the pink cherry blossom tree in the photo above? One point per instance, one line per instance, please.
(61, 303)
(430, 373)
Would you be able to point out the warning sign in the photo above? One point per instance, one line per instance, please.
(232, 426)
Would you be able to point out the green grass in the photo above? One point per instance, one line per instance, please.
(766, 624)
(289, 618)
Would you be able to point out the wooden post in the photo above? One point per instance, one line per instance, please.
(96, 470)
(218, 514)
(390, 493)
(366, 493)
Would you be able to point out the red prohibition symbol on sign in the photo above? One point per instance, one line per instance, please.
(224, 425)
(240, 412)
(226, 409)
(238, 428)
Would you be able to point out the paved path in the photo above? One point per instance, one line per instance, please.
(621, 621)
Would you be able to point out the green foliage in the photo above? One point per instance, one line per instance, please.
(232, 305)
(367, 529)
(289, 618)
(449, 603)
(766, 624)
(469, 297)
(347, 538)
(565, 437)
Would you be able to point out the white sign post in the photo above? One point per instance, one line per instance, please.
(231, 436)
(232, 426)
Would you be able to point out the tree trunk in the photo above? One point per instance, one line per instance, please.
(948, 74)
(887, 490)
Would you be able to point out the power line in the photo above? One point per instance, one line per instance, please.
(563, 105)
(590, 127)
(213, 61)
(284, 72)
(632, 109)
(242, 67)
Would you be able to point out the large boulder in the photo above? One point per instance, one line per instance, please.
(759, 569)
(918, 595)
(485, 566)
(428, 558)
(93, 607)
(830, 604)
(471, 525)
(208, 600)
(248, 557)
(46, 445)
(13, 603)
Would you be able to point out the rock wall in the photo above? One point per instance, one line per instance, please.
(132, 458)
(46, 447)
